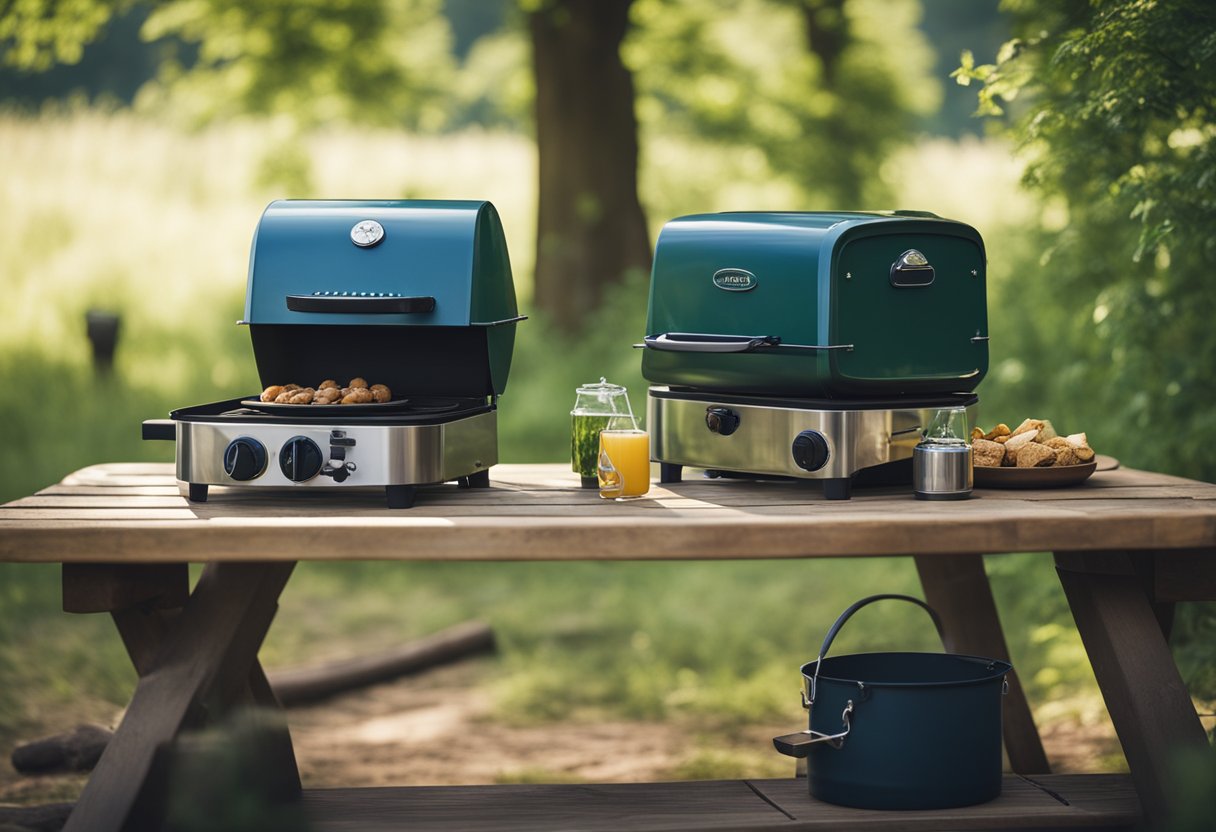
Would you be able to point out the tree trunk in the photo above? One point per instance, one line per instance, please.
(590, 227)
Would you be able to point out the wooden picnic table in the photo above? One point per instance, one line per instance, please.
(1127, 545)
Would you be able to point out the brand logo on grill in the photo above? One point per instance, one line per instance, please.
(735, 280)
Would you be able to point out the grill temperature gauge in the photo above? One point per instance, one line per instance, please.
(367, 233)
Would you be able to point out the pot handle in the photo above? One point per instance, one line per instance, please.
(844, 616)
(799, 744)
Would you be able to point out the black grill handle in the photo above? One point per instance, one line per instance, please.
(342, 305)
(165, 429)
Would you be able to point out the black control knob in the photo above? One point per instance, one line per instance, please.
(810, 450)
(245, 459)
(721, 420)
(300, 459)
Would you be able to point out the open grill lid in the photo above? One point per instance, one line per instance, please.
(416, 294)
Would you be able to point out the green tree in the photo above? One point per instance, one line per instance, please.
(815, 85)
(812, 84)
(1114, 105)
(591, 230)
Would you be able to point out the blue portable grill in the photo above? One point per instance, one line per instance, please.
(413, 294)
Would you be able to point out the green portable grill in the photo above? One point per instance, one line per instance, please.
(810, 345)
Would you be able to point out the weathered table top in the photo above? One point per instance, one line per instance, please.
(132, 512)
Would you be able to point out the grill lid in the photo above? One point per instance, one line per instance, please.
(839, 305)
(417, 293)
(383, 262)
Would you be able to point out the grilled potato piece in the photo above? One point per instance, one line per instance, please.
(997, 432)
(986, 453)
(271, 392)
(1034, 455)
(381, 393)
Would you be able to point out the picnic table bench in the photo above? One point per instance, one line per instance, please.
(1127, 545)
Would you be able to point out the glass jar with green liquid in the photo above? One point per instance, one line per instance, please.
(594, 405)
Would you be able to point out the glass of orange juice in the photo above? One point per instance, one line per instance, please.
(624, 461)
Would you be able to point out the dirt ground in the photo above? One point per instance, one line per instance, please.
(437, 728)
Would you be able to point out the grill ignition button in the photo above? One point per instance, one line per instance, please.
(300, 459)
(721, 420)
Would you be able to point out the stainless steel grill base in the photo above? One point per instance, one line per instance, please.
(852, 436)
(397, 457)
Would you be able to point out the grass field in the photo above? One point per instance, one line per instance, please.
(110, 211)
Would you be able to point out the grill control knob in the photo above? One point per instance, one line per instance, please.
(245, 459)
(721, 420)
(810, 450)
(300, 459)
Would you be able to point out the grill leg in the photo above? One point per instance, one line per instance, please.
(400, 496)
(838, 489)
(198, 492)
(670, 472)
(479, 480)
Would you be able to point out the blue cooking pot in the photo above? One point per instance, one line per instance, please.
(900, 730)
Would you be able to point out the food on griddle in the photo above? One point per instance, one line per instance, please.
(328, 392)
(1032, 444)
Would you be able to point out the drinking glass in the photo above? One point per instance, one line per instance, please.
(624, 460)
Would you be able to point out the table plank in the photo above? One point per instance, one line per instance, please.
(127, 513)
(1096, 801)
(619, 537)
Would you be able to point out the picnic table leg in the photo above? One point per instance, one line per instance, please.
(957, 587)
(195, 663)
(1140, 683)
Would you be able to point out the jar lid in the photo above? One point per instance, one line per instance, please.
(602, 388)
(602, 399)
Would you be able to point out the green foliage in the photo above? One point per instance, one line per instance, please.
(1114, 320)
(322, 60)
(813, 85)
(37, 34)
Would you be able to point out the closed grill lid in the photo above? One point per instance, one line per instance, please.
(839, 305)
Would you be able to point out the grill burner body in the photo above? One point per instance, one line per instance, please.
(802, 439)
(224, 444)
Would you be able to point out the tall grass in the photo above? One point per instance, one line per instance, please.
(112, 211)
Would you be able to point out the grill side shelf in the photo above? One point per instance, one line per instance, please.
(164, 429)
